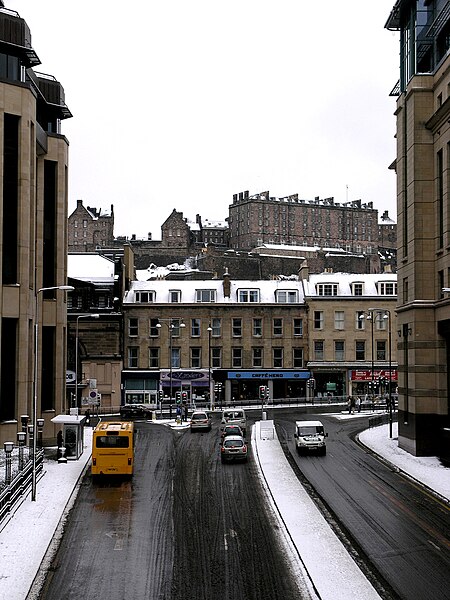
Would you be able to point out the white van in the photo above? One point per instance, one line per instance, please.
(234, 416)
(310, 436)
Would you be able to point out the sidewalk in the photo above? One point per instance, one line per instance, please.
(36, 527)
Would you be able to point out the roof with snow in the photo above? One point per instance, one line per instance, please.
(93, 268)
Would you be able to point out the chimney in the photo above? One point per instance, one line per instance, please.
(79, 203)
(226, 284)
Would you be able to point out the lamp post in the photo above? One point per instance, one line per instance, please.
(209, 367)
(170, 322)
(385, 314)
(21, 437)
(8, 447)
(40, 428)
(93, 316)
(66, 288)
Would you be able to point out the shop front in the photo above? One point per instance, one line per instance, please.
(244, 385)
(376, 382)
(192, 384)
(140, 387)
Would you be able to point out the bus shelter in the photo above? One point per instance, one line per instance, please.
(72, 427)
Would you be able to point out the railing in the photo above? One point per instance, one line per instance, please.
(20, 483)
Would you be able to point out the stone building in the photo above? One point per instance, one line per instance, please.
(90, 229)
(423, 156)
(263, 219)
(33, 240)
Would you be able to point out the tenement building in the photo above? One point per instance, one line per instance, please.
(33, 241)
(224, 338)
(422, 169)
(263, 219)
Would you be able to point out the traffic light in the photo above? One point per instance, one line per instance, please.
(160, 395)
(262, 392)
(184, 396)
(178, 397)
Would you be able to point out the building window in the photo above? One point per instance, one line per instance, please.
(380, 322)
(248, 295)
(357, 288)
(132, 357)
(277, 354)
(154, 329)
(339, 319)
(257, 357)
(133, 327)
(196, 358)
(237, 327)
(174, 296)
(381, 350)
(327, 289)
(318, 319)
(153, 358)
(216, 358)
(176, 358)
(195, 327)
(257, 327)
(298, 327)
(278, 326)
(318, 350)
(145, 297)
(360, 350)
(236, 358)
(85, 224)
(297, 358)
(205, 295)
(360, 320)
(387, 288)
(216, 325)
(339, 350)
(286, 296)
(406, 290)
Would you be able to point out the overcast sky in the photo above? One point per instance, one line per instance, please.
(180, 104)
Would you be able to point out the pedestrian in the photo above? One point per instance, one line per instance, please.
(352, 405)
(59, 443)
(358, 404)
(185, 411)
(349, 404)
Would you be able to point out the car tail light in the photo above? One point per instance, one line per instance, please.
(94, 461)
(244, 448)
(129, 461)
(222, 449)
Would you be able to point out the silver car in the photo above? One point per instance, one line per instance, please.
(233, 447)
(200, 419)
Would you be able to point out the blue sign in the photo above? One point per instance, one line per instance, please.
(268, 374)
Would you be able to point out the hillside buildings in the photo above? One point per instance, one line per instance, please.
(33, 241)
(423, 158)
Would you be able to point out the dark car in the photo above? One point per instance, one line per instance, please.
(135, 410)
(231, 430)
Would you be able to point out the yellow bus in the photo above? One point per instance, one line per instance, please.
(113, 448)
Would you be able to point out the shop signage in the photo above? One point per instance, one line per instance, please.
(366, 375)
(269, 374)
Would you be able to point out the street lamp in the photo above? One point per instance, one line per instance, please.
(209, 367)
(21, 437)
(8, 447)
(385, 313)
(369, 317)
(93, 316)
(40, 428)
(66, 288)
(172, 323)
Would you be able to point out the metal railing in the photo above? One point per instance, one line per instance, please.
(20, 484)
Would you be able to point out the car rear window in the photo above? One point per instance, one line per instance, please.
(199, 417)
(236, 414)
(233, 443)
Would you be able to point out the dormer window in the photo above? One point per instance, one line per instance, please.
(327, 289)
(248, 295)
(205, 295)
(145, 297)
(286, 296)
(357, 288)
(387, 288)
(174, 296)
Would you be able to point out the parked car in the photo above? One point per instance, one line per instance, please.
(234, 416)
(200, 419)
(135, 410)
(310, 436)
(231, 430)
(233, 447)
